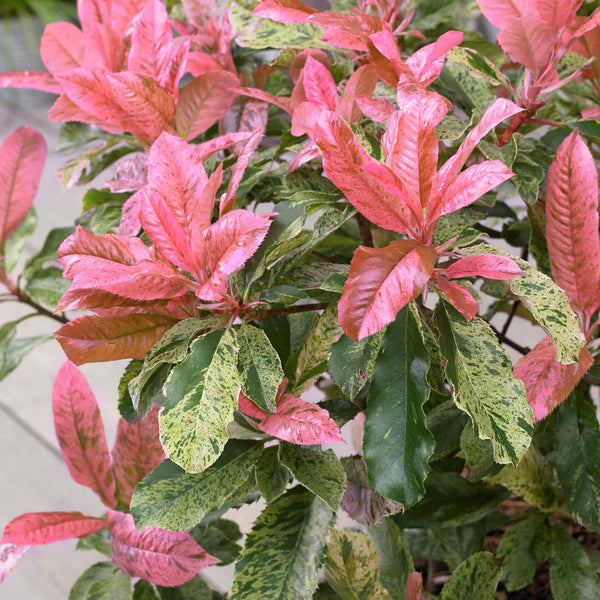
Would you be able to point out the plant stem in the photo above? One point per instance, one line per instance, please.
(19, 296)
(511, 316)
(365, 230)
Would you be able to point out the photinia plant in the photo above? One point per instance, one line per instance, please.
(352, 257)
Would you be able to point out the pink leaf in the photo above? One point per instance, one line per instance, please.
(22, 158)
(203, 101)
(377, 109)
(591, 23)
(237, 173)
(459, 297)
(411, 150)
(301, 422)
(136, 452)
(499, 111)
(284, 11)
(484, 265)
(547, 381)
(557, 13)
(225, 246)
(498, 11)
(361, 83)
(177, 173)
(380, 283)
(90, 90)
(96, 22)
(32, 80)
(414, 586)
(529, 42)
(80, 432)
(10, 554)
(172, 239)
(151, 40)
(96, 339)
(319, 86)
(342, 155)
(282, 102)
(426, 63)
(199, 63)
(162, 557)
(32, 529)
(150, 109)
(386, 58)
(62, 48)
(468, 187)
(572, 223)
(248, 407)
(206, 149)
(308, 153)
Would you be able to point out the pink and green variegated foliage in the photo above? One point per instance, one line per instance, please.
(288, 252)
(122, 69)
(574, 250)
(159, 556)
(408, 194)
(146, 289)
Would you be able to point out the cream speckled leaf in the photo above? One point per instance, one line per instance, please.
(272, 477)
(476, 579)
(352, 566)
(259, 366)
(172, 499)
(312, 360)
(201, 402)
(320, 472)
(284, 550)
(547, 303)
(484, 386)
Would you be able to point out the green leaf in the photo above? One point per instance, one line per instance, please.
(484, 386)
(529, 176)
(125, 403)
(49, 250)
(194, 589)
(352, 566)
(533, 479)
(319, 471)
(578, 459)
(202, 394)
(258, 33)
(446, 422)
(397, 444)
(351, 363)
(547, 303)
(284, 550)
(479, 455)
(13, 246)
(99, 541)
(478, 65)
(312, 360)
(46, 286)
(464, 89)
(12, 351)
(143, 590)
(102, 581)
(219, 539)
(523, 546)
(451, 501)
(458, 543)
(360, 500)
(173, 499)
(272, 477)
(571, 572)
(171, 349)
(475, 579)
(394, 557)
(259, 366)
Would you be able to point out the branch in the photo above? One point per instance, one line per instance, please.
(19, 296)
(509, 342)
(365, 230)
